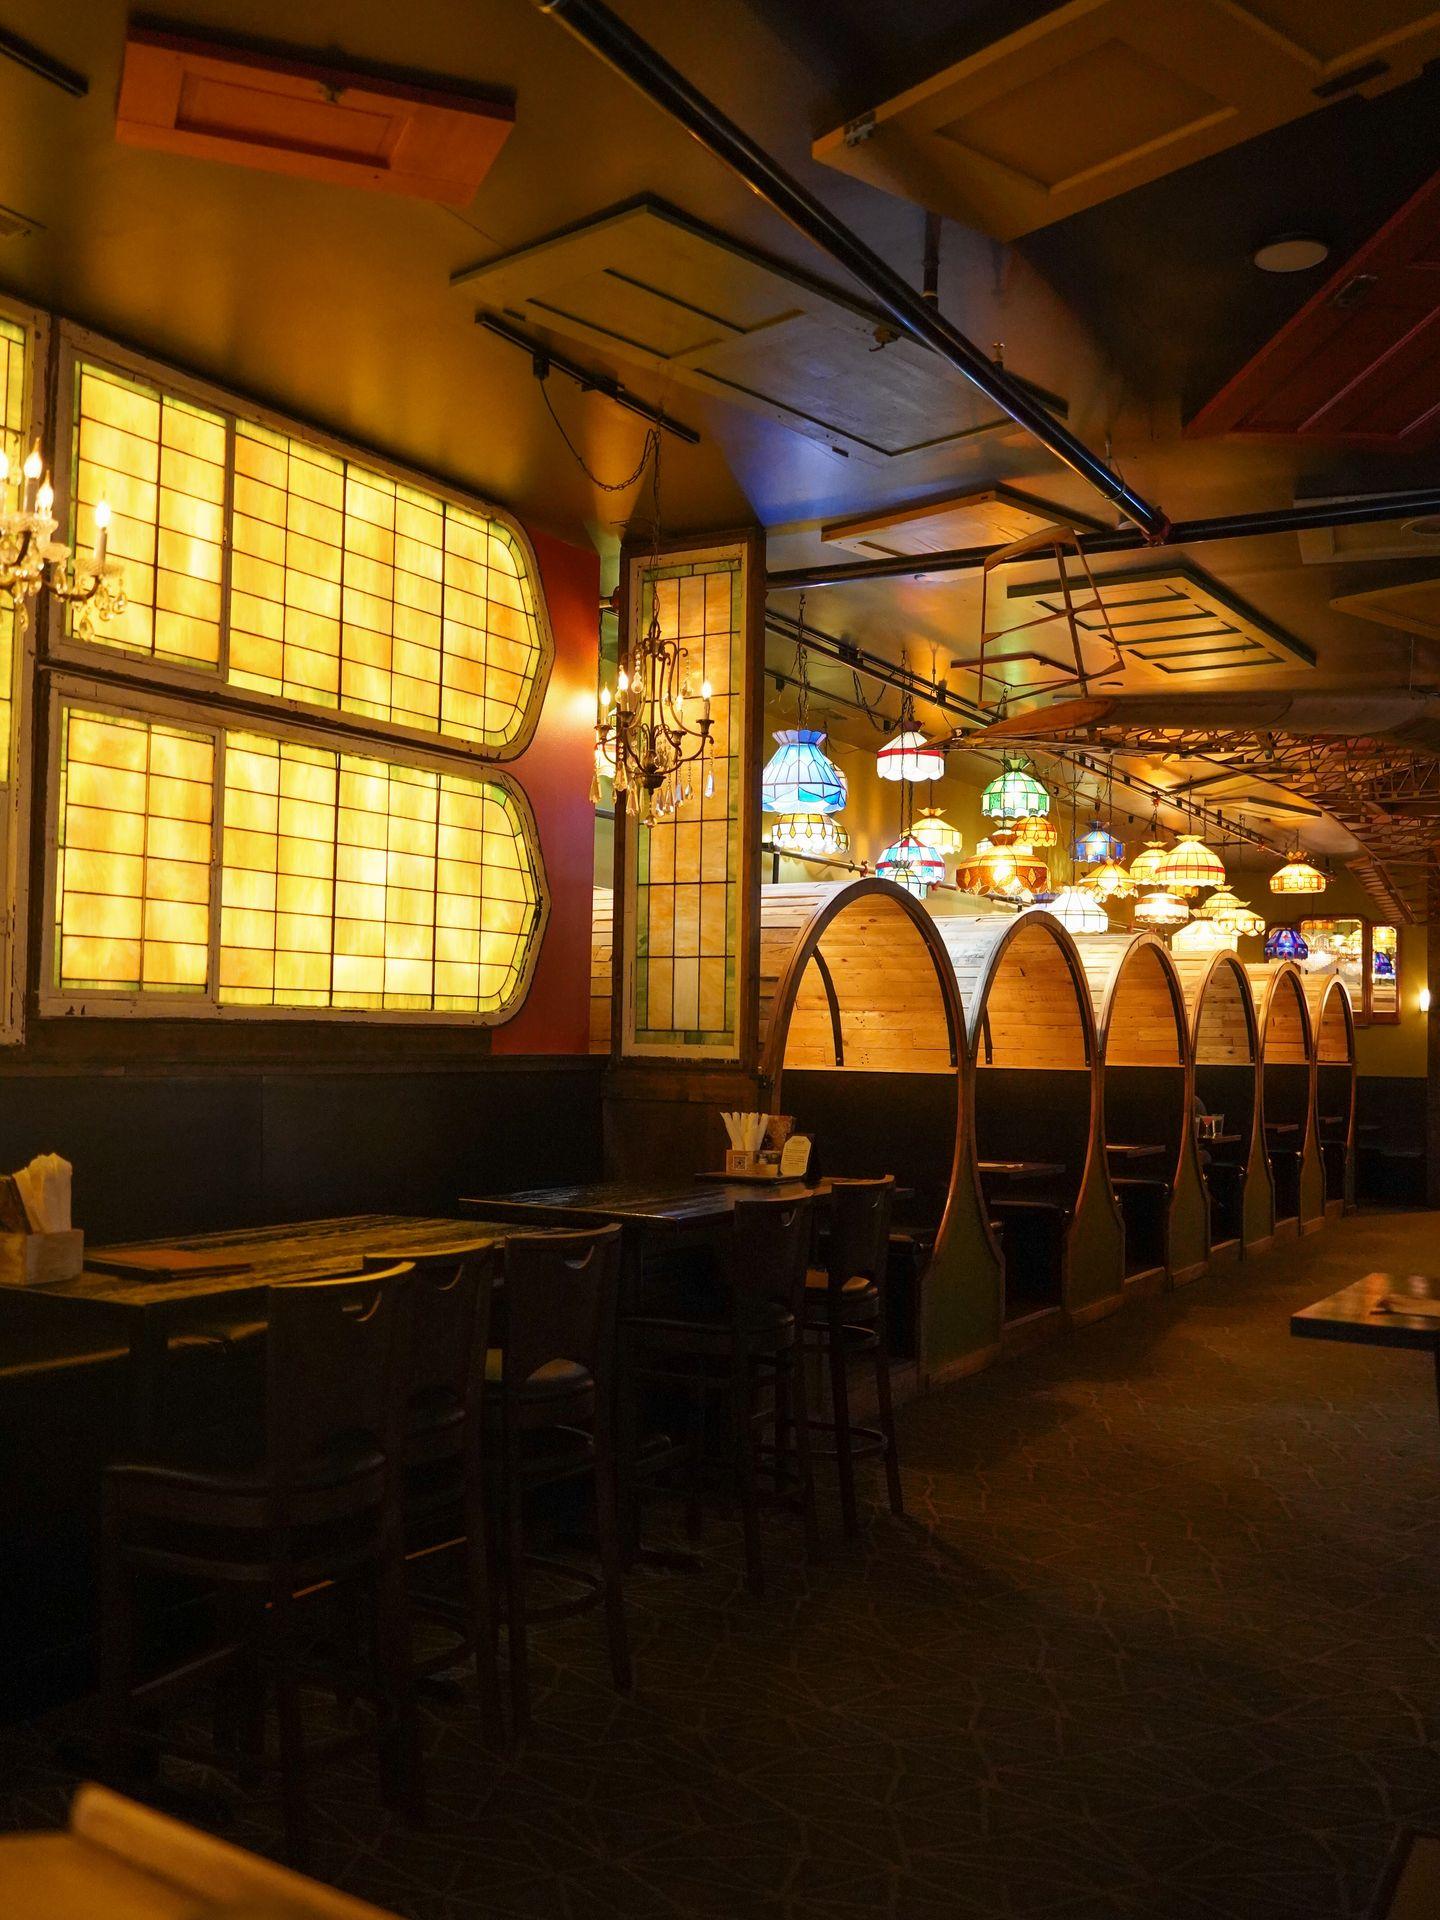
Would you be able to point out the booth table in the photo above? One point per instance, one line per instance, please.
(1355, 1315)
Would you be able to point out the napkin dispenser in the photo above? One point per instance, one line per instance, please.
(38, 1245)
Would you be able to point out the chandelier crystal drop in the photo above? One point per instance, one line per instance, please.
(31, 558)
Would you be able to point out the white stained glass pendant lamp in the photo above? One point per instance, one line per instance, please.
(800, 777)
(1160, 909)
(909, 756)
(1145, 866)
(814, 833)
(933, 830)
(1200, 938)
(1247, 923)
(909, 863)
(1297, 876)
(1109, 881)
(1190, 863)
(1078, 911)
(1221, 907)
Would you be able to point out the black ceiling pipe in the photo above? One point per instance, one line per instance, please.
(636, 61)
(1417, 502)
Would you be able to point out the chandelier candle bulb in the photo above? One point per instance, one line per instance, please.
(32, 478)
(102, 547)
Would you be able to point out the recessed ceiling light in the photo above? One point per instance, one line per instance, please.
(1291, 253)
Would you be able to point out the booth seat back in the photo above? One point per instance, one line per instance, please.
(1146, 1106)
(1229, 1091)
(1287, 1094)
(1026, 1113)
(869, 1124)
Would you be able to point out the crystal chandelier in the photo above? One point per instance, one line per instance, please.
(30, 558)
(646, 733)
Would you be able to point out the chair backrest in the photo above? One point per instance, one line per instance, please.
(333, 1355)
(768, 1253)
(451, 1291)
(562, 1293)
(859, 1230)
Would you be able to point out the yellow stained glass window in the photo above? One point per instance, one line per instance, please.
(132, 888)
(353, 590)
(160, 463)
(358, 883)
(13, 344)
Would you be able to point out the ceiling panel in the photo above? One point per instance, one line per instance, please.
(1405, 539)
(646, 284)
(1413, 608)
(989, 516)
(1360, 362)
(1099, 96)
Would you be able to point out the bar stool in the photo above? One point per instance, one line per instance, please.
(550, 1392)
(443, 1491)
(748, 1340)
(310, 1503)
(845, 1315)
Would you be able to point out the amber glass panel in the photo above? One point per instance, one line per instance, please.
(352, 590)
(160, 463)
(13, 342)
(358, 883)
(132, 889)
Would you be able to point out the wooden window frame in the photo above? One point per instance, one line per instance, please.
(215, 717)
(75, 344)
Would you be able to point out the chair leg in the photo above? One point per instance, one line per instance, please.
(798, 1395)
(295, 1810)
(607, 1527)
(515, 1597)
(482, 1610)
(695, 1467)
(743, 1404)
(840, 1410)
(117, 1651)
(887, 1421)
(400, 1758)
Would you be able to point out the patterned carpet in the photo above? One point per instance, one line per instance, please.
(1158, 1638)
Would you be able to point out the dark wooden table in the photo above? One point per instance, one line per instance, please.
(1282, 1126)
(1022, 1169)
(1124, 1150)
(700, 1206)
(1355, 1315)
(141, 1298)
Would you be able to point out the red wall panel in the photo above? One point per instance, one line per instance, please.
(555, 771)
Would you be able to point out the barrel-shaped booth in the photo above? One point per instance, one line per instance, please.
(1036, 1101)
(1332, 1029)
(1145, 1104)
(862, 1039)
(1225, 1081)
(1287, 1095)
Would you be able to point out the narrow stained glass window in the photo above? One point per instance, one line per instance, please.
(13, 342)
(132, 889)
(160, 463)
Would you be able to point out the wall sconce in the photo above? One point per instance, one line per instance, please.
(1424, 999)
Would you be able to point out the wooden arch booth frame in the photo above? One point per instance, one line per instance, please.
(860, 1017)
(1225, 1073)
(1028, 1017)
(1287, 1094)
(1332, 1027)
(1147, 1092)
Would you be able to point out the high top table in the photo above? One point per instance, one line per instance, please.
(1355, 1315)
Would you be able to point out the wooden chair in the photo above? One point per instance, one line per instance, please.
(443, 1490)
(309, 1504)
(747, 1342)
(845, 1315)
(550, 1394)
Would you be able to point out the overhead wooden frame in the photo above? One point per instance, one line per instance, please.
(1171, 623)
(646, 284)
(1412, 607)
(1099, 96)
(283, 111)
